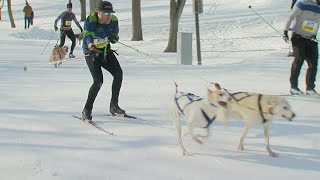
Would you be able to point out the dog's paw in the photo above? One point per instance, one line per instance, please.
(273, 154)
(197, 140)
(241, 147)
(185, 153)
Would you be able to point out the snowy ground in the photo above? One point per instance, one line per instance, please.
(39, 139)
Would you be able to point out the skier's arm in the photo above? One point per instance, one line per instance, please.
(294, 13)
(59, 17)
(88, 33)
(114, 37)
(77, 22)
(115, 24)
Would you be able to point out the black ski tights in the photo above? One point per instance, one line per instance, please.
(111, 64)
(71, 36)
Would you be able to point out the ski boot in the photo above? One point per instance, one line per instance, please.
(87, 115)
(71, 55)
(312, 92)
(115, 109)
(295, 91)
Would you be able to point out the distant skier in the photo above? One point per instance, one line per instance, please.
(100, 28)
(27, 15)
(65, 30)
(305, 46)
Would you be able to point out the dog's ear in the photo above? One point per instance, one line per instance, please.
(217, 86)
(213, 86)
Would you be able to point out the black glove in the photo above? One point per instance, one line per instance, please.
(314, 38)
(113, 38)
(93, 49)
(285, 36)
(55, 28)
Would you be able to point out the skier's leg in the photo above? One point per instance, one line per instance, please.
(299, 56)
(96, 72)
(62, 38)
(112, 65)
(312, 60)
(25, 22)
(72, 37)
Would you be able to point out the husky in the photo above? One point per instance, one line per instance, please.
(198, 112)
(57, 55)
(255, 109)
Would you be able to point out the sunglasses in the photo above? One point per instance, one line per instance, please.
(108, 13)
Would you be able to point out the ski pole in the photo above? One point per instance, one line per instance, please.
(143, 53)
(250, 7)
(48, 43)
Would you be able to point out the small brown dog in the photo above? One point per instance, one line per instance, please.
(57, 55)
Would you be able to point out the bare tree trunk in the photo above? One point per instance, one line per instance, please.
(1, 6)
(136, 21)
(83, 10)
(94, 5)
(176, 9)
(13, 25)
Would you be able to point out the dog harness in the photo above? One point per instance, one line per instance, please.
(192, 98)
(260, 108)
(247, 95)
(208, 119)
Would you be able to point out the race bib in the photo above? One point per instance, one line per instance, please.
(68, 23)
(100, 43)
(309, 26)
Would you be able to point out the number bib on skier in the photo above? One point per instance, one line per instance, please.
(309, 26)
(68, 23)
(100, 43)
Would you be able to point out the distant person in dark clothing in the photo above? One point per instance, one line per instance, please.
(66, 19)
(27, 15)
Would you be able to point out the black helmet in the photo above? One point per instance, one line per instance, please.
(106, 6)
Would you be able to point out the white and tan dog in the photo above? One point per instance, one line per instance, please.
(57, 55)
(254, 109)
(198, 112)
